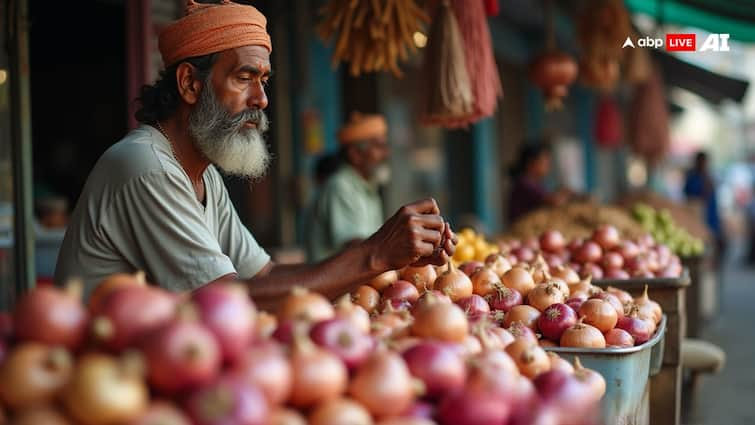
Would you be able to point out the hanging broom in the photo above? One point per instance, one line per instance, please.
(447, 91)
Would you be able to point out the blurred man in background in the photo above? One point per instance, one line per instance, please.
(349, 207)
(699, 185)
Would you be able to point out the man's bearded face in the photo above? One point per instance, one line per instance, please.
(222, 137)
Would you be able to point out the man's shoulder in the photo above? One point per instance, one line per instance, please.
(137, 154)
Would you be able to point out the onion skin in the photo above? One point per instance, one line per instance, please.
(504, 298)
(639, 329)
(284, 416)
(401, 290)
(51, 316)
(498, 263)
(530, 358)
(606, 236)
(619, 338)
(437, 366)
(519, 279)
(612, 261)
(353, 313)
(526, 314)
(110, 284)
(545, 295)
(469, 407)
(567, 274)
(591, 379)
(484, 281)
(229, 313)
(228, 401)
(648, 307)
(103, 391)
(555, 320)
(265, 325)
(265, 366)
(367, 297)
(343, 339)
(599, 313)
(383, 280)
(558, 363)
(318, 375)
(340, 411)
(474, 306)
(181, 355)
(470, 267)
(613, 300)
(440, 321)
(33, 374)
(131, 312)
(423, 278)
(552, 241)
(44, 415)
(162, 413)
(582, 335)
(567, 394)
(304, 305)
(383, 385)
(455, 284)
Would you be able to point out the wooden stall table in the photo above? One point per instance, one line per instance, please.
(666, 386)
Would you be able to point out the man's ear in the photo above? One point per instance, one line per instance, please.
(189, 86)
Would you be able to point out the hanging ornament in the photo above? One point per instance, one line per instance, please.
(608, 125)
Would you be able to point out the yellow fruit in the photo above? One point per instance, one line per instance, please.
(464, 253)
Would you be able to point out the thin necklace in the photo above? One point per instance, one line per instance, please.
(170, 143)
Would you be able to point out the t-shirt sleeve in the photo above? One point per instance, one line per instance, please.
(155, 219)
(345, 217)
(235, 239)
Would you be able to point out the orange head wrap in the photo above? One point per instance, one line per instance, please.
(212, 28)
(362, 127)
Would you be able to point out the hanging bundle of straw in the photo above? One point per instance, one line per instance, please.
(467, 21)
(447, 92)
(372, 35)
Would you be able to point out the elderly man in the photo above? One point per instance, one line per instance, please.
(349, 208)
(156, 202)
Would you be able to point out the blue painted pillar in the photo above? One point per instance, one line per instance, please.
(485, 175)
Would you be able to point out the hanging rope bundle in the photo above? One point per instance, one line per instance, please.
(447, 92)
(372, 35)
(469, 20)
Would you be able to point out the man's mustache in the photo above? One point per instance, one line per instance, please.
(257, 116)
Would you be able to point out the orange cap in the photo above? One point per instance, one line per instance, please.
(362, 127)
(212, 28)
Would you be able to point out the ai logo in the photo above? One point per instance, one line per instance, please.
(716, 43)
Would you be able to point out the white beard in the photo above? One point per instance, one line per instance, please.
(222, 138)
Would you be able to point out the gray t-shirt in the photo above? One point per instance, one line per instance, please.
(139, 211)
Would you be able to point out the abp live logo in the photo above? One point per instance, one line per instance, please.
(688, 43)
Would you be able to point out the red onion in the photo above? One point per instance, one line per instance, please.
(612, 261)
(613, 300)
(617, 274)
(555, 320)
(51, 316)
(228, 401)
(469, 407)
(343, 339)
(504, 299)
(576, 302)
(470, 266)
(419, 410)
(554, 261)
(606, 236)
(162, 413)
(229, 313)
(521, 331)
(564, 392)
(475, 306)
(574, 245)
(131, 312)
(266, 366)
(552, 241)
(646, 241)
(401, 290)
(524, 254)
(589, 252)
(619, 338)
(641, 330)
(437, 366)
(628, 249)
(181, 355)
(284, 333)
(590, 269)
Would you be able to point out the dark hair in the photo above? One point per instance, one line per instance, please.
(700, 156)
(326, 165)
(160, 100)
(528, 154)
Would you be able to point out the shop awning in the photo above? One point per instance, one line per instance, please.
(712, 86)
(734, 17)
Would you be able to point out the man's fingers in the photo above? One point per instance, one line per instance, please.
(432, 222)
(431, 236)
(424, 249)
(425, 206)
